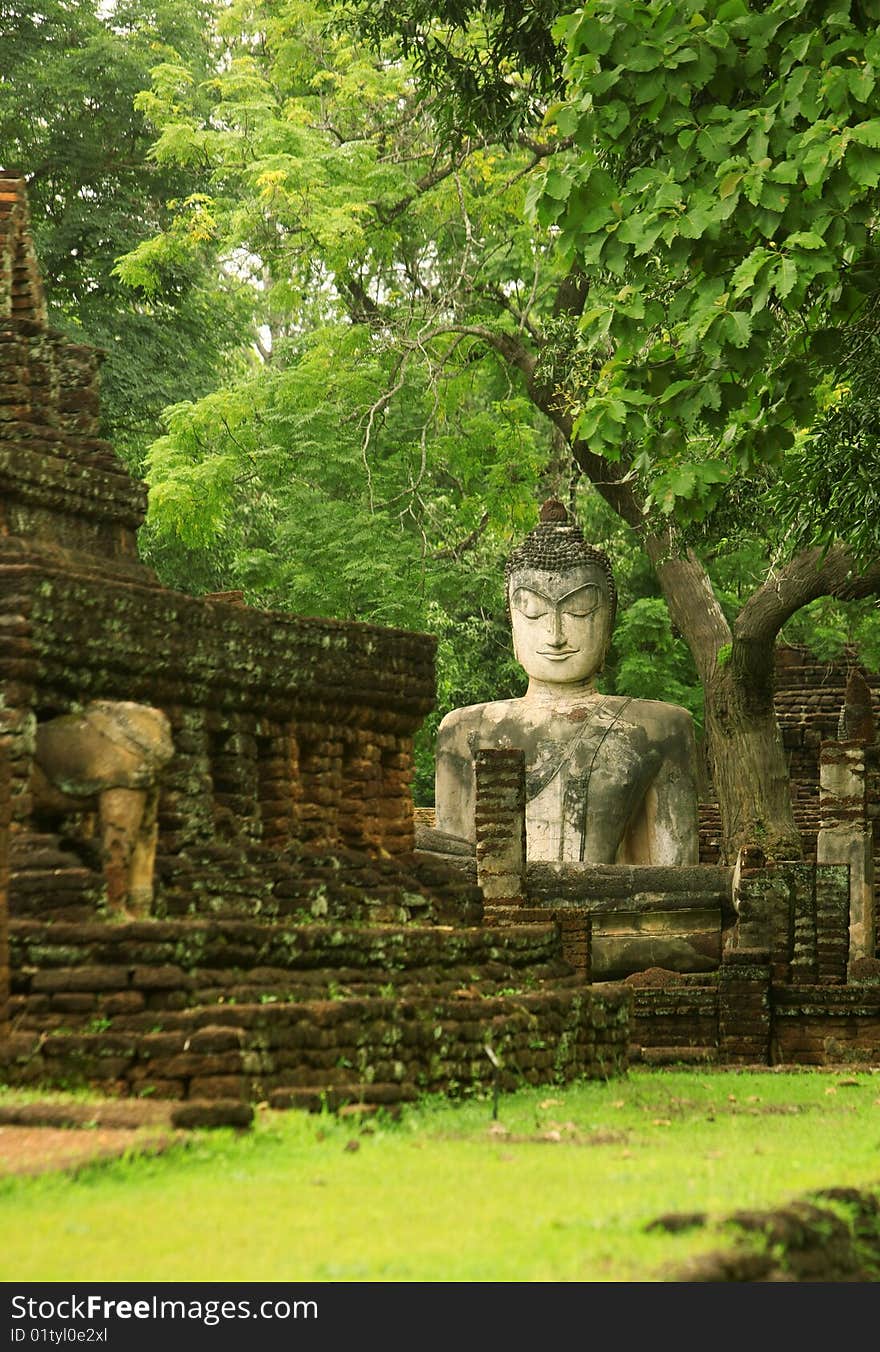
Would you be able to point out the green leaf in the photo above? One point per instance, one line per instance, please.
(644, 56)
(732, 9)
(863, 165)
(680, 57)
(557, 184)
(713, 472)
(805, 239)
(632, 229)
(867, 133)
(861, 83)
(674, 389)
(590, 36)
(567, 118)
(784, 277)
(786, 171)
(743, 278)
(591, 217)
(681, 481)
(738, 327)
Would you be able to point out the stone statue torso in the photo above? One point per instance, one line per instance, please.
(608, 779)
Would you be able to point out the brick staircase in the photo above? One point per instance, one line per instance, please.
(364, 981)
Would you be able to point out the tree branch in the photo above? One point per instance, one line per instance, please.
(455, 551)
(810, 574)
(387, 214)
(693, 607)
(494, 292)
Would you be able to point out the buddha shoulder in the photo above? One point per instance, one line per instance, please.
(660, 720)
(461, 724)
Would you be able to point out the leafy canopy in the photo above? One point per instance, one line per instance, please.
(721, 196)
(487, 64)
(70, 74)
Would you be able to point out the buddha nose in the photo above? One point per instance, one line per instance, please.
(556, 636)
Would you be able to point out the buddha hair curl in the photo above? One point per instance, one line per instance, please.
(558, 543)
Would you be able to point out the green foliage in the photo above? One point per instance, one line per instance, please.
(271, 482)
(833, 477)
(487, 63)
(652, 662)
(721, 194)
(316, 515)
(69, 79)
(372, 464)
(831, 630)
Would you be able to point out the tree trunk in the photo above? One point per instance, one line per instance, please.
(750, 770)
(747, 760)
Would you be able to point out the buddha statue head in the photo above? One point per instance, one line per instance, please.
(562, 602)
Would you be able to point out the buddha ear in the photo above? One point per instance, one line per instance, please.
(515, 648)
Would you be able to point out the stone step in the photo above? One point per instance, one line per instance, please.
(127, 1113)
(125, 974)
(52, 890)
(294, 1053)
(346, 1099)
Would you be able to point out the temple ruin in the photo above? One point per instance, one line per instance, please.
(297, 950)
(303, 944)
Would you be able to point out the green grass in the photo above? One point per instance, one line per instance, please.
(560, 1188)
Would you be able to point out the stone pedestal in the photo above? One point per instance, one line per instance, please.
(845, 836)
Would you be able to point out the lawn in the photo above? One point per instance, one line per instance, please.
(560, 1187)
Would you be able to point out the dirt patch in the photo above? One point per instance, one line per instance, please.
(56, 1134)
(807, 1240)
(558, 1133)
(40, 1150)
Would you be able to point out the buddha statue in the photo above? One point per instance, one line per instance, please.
(610, 779)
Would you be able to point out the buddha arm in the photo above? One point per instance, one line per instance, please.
(454, 777)
(669, 820)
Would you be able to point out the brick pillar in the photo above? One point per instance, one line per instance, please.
(804, 967)
(846, 836)
(744, 1007)
(576, 929)
(501, 825)
(763, 902)
(832, 922)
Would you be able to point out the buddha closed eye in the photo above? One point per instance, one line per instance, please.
(579, 604)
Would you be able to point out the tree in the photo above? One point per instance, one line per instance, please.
(700, 252)
(714, 196)
(366, 467)
(728, 157)
(68, 124)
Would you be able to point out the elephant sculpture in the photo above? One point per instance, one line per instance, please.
(109, 756)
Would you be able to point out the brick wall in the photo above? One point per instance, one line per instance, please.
(742, 1018)
(377, 1050)
(299, 950)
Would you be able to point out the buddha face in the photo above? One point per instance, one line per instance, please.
(561, 622)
